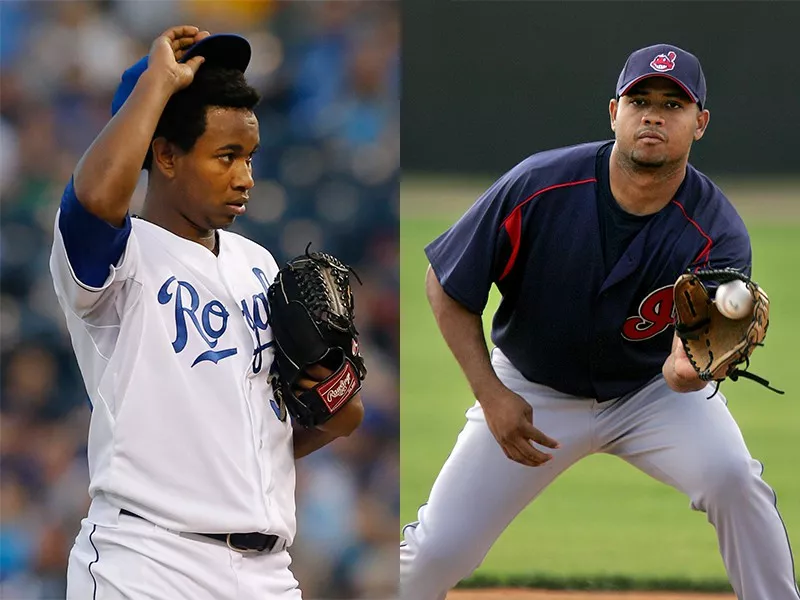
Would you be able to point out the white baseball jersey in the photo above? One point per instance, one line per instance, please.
(175, 350)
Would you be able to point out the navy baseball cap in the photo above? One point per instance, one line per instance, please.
(226, 50)
(664, 60)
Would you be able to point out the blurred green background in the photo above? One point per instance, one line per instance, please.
(602, 518)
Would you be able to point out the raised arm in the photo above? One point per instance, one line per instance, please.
(106, 175)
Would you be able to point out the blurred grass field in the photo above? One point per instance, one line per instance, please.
(602, 517)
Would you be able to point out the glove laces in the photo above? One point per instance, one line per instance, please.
(737, 373)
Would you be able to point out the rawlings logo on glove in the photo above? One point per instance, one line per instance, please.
(312, 320)
(715, 344)
(339, 388)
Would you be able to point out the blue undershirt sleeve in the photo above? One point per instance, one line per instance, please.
(92, 245)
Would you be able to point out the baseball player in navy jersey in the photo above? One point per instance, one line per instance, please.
(597, 233)
(191, 458)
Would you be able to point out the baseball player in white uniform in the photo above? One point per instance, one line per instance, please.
(191, 459)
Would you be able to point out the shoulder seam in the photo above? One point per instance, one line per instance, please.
(513, 222)
(542, 191)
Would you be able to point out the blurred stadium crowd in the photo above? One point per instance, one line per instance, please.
(328, 173)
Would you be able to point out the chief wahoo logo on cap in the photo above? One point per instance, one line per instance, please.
(664, 62)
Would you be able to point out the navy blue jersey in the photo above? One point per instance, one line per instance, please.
(565, 320)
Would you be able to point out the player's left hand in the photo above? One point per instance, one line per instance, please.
(679, 372)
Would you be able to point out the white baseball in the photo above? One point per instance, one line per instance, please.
(734, 300)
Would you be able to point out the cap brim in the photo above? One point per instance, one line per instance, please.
(225, 50)
(628, 87)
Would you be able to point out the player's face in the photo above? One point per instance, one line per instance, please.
(656, 122)
(216, 176)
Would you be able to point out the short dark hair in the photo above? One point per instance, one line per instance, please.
(184, 118)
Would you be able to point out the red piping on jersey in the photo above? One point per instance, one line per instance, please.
(513, 222)
(709, 242)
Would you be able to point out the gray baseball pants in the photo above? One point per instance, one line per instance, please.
(684, 440)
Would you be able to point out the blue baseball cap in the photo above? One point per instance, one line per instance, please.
(226, 50)
(664, 60)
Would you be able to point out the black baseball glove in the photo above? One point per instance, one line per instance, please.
(311, 315)
(715, 344)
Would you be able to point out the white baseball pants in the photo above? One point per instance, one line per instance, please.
(134, 559)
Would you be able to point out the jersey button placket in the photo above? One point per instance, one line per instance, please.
(599, 338)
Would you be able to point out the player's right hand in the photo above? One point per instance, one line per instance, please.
(311, 376)
(510, 419)
(169, 48)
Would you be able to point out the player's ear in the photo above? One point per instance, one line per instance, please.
(164, 155)
(703, 117)
(613, 105)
